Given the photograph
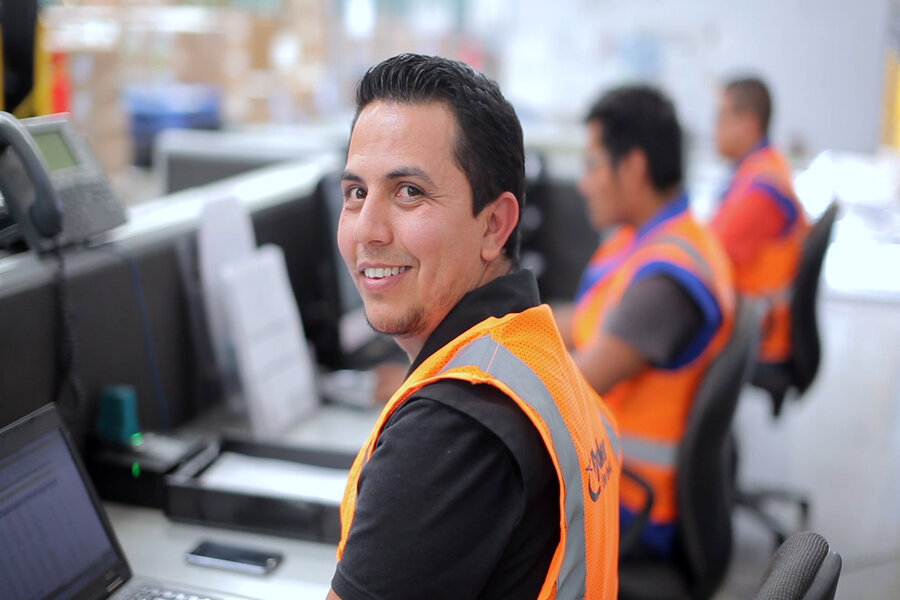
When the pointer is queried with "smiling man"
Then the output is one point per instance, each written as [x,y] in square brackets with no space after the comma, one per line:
[493,470]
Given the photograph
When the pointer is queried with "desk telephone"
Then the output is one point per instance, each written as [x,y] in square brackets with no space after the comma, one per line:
[52,184]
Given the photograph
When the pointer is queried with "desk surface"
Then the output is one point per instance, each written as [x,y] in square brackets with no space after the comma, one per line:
[155,546]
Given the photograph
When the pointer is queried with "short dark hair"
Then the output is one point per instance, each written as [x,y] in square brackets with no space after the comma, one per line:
[641,117]
[750,93]
[488,146]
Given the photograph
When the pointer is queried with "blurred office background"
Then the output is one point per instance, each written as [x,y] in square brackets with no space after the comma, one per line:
[275,79]
[831,65]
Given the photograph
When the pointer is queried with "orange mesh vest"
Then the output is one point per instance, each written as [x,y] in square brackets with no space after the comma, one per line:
[652,408]
[771,273]
[523,355]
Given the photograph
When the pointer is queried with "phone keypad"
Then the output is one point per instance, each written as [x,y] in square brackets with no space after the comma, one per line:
[89,209]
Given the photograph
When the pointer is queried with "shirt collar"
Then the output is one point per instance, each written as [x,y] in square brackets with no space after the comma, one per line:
[670,210]
[510,293]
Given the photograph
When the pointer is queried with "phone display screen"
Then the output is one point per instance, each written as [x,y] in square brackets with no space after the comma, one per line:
[55,150]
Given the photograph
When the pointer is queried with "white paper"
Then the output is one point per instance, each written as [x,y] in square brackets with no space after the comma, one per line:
[277,478]
[224,234]
[274,363]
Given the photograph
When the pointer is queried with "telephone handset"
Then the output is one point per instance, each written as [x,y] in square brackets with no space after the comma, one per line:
[52,184]
[30,197]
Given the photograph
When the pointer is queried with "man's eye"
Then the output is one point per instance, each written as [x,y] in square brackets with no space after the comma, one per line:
[410,191]
[354,193]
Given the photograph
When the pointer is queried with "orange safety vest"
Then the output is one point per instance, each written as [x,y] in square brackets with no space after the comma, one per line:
[523,355]
[652,408]
[770,276]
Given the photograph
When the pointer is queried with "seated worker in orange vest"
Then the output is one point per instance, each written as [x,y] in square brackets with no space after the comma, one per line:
[655,303]
[760,222]
[493,471]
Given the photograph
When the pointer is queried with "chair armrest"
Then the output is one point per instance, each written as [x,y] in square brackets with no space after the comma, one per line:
[629,539]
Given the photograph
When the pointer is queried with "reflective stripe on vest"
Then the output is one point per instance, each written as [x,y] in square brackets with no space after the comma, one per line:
[493,358]
[659,454]
[778,297]
[700,261]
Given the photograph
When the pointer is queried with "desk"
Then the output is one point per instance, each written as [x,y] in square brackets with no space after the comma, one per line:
[155,546]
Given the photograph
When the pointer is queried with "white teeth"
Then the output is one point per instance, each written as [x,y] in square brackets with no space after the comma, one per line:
[382,272]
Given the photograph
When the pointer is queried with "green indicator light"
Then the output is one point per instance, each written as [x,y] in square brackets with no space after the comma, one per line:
[135,469]
[137,439]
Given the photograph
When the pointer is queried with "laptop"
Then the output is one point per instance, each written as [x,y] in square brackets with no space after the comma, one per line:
[56,542]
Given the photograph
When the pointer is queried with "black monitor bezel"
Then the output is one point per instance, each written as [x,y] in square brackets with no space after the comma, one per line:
[31,427]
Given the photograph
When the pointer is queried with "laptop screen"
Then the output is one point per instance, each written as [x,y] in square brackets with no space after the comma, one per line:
[54,542]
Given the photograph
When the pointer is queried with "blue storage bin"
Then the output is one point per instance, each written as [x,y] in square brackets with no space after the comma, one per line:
[155,107]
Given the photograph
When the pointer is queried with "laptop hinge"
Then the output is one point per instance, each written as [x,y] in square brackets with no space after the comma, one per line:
[114,584]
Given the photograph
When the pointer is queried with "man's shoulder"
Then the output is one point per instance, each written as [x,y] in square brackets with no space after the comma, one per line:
[686,240]
[768,166]
[479,401]
[484,403]
[495,414]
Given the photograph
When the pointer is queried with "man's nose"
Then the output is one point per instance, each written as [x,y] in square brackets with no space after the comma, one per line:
[373,223]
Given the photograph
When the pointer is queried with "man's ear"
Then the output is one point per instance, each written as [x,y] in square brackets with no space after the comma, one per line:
[500,217]
[635,164]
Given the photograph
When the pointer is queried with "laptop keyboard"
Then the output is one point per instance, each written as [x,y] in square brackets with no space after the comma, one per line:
[154,593]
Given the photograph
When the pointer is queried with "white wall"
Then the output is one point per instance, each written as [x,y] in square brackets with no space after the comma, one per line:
[824,59]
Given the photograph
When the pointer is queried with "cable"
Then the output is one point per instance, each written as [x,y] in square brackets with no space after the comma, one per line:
[66,348]
[149,346]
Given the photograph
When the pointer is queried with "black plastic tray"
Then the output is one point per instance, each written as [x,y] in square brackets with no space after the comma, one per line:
[187,500]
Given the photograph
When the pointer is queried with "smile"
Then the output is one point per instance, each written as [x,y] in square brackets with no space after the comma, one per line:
[382,272]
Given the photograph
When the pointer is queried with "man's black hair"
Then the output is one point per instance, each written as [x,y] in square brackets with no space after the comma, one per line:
[488,146]
[750,93]
[641,117]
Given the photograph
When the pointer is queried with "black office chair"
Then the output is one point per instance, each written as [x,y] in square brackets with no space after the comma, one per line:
[803,568]
[704,482]
[798,372]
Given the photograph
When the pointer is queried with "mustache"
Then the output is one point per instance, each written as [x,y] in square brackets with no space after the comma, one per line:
[389,258]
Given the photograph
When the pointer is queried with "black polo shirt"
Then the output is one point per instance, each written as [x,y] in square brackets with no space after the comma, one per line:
[460,498]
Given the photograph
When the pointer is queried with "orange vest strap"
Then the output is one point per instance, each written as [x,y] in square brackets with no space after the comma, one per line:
[491,357]
[702,265]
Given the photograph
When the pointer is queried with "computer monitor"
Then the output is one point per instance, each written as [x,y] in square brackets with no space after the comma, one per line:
[330,306]
[359,345]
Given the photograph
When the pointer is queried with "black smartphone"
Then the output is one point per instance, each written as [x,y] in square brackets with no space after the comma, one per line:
[232,557]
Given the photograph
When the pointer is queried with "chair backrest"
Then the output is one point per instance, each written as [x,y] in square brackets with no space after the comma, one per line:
[804,327]
[803,568]
[704,466]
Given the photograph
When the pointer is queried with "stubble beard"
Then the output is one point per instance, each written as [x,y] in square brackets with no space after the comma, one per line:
[407,325]
[418,320]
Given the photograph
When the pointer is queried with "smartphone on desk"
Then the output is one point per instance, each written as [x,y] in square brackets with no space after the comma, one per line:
[233,557]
